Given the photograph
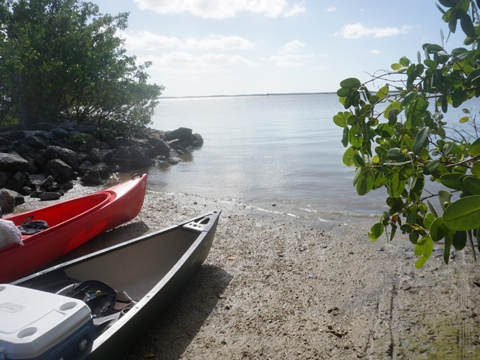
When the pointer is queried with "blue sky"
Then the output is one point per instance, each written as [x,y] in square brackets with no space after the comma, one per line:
[233,47]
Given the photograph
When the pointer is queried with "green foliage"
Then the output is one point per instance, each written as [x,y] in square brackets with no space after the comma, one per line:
[63,59]
[397,138]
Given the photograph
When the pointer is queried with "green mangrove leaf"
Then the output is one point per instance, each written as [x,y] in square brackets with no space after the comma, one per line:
[345,136]
[464,119]
[444,197]
[463,214]
[434,48]
[421,140]
[476,169]
[396,154]
[348,156]
[451,181]
[474,149]
[467,25]
[383,92]
[358,160]
[438,230]
[432,209]
[472,184]
[452,23]
[413,237]
[350,83]
[376,231]
[396,186]
[397,67]
[474,76]
[459,239]
[365,182]
[343,92]
[340,120]
[358,172]
[423,249]
[429,219]
[424,154]
[407,141]
[431,167]
[446,248]
[393,231]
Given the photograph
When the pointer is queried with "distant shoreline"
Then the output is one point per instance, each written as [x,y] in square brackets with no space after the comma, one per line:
[240,95]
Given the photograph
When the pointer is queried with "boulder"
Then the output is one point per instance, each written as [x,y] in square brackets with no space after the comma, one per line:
[9,199]
[183,134]
[197,140]
[161,148]
[59,170]
[12,162]
[68,156]
[4,178]
[138,158]
[50,195]
[17,182]
[91,178]
[36,180]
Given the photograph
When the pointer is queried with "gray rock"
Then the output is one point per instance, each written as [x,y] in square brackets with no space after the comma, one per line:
[49,195]
[184,134]
[68,156]
[161,148]
[60,171]
[17,182]
[12,162]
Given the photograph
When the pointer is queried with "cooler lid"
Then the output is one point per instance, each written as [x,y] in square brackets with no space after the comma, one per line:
[37,318]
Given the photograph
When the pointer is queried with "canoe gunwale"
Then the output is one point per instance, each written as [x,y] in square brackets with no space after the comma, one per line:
[145,310]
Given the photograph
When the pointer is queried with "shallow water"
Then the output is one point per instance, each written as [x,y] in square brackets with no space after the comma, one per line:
[277,152]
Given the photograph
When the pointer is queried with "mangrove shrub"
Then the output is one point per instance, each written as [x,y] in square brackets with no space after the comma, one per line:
[63,59]
[398,138]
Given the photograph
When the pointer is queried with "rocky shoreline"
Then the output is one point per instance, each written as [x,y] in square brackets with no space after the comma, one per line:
[43,163]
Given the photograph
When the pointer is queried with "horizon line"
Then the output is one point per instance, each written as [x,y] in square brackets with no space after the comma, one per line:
[238,95]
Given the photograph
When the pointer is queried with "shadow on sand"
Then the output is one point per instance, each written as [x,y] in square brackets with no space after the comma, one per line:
[175,329]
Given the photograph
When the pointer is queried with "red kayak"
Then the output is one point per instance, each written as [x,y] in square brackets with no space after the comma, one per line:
[70,224]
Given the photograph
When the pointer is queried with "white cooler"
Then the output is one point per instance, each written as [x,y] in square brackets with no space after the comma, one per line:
[39,325]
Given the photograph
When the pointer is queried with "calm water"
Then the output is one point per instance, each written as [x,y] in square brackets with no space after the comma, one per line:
[265,150]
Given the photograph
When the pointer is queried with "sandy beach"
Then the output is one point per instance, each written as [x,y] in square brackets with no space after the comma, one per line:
[276,288]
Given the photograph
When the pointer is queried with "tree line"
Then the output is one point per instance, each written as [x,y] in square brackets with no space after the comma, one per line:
[63,59]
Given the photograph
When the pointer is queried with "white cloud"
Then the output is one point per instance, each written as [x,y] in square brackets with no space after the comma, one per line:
[357,31]
[182,62]
[376,52]
[290,60]
[288,56]
[331,9]
[292,47]
[148,41]
[220,9]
